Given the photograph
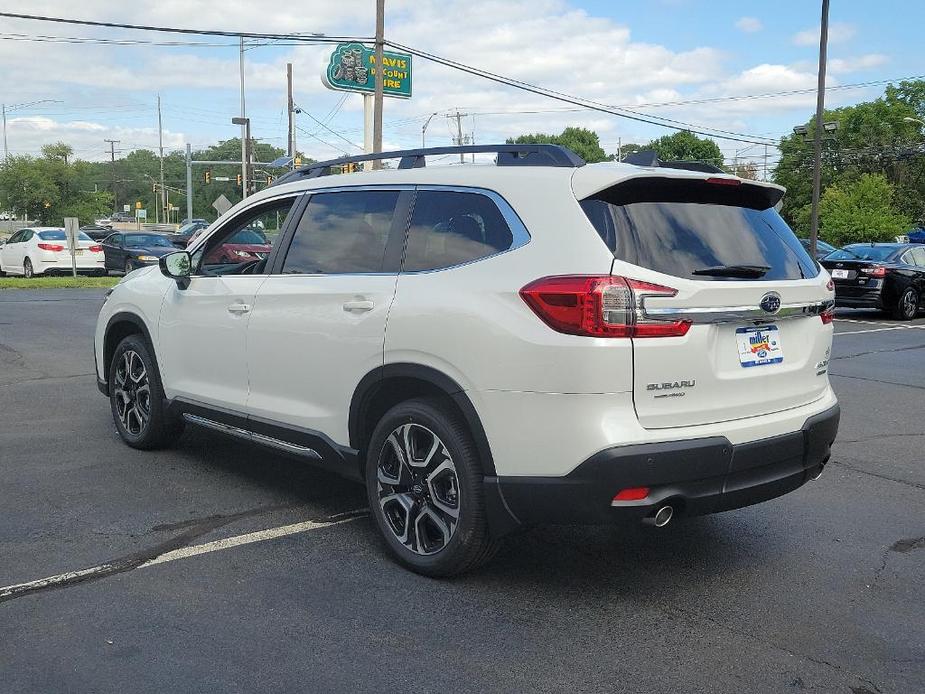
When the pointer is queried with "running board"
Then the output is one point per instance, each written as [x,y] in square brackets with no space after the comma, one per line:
[252,436]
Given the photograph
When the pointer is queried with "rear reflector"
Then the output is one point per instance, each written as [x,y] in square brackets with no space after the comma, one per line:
[599,306]
[50,247]
[632,494]
[830,285]
[827,316]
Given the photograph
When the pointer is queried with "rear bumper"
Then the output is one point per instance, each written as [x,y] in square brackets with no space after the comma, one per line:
[696,477]
[859,297]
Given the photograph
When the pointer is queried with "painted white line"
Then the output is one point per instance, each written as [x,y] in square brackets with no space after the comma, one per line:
[6,591]
[238,540]
[872,330]
[857,320]
[174,555]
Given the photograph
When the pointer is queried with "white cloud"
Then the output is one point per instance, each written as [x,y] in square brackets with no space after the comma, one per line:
[839,32]
[749,24]
[838,66]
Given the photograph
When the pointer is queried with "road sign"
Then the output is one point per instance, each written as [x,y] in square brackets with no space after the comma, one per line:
[352,68]
[71,232]
[221,205]
[126,208]
[221,178]
[141,214]
[138,205]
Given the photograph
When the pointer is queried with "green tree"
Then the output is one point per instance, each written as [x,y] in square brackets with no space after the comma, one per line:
[685,146]
[861,211]
[583,142]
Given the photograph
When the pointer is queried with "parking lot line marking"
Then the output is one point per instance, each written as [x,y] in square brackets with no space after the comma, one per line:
[873,330]
[238,540]
[110,568]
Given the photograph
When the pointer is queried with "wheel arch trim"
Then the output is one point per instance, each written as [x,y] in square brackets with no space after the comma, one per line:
[372,381]
[108,349]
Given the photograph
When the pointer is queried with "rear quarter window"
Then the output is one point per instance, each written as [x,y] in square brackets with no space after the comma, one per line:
[452,228]
[679,234]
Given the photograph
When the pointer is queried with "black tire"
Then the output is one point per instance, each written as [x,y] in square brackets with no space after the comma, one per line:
[128,266]
[159,429]
[907,305]
[27,270]
[470,544]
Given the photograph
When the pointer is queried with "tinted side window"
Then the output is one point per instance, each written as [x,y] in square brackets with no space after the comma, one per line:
[247,238]
[918,256]
[16,238]
[342,232]
[450,228]
[27,235]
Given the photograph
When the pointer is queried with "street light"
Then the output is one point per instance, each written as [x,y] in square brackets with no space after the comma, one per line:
[16,107]
[424,127]
[245,151]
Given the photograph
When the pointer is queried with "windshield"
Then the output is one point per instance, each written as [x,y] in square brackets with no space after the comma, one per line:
[249,237]
[702,240]
[145,240]
[190,228]
[59,235]
[863,252]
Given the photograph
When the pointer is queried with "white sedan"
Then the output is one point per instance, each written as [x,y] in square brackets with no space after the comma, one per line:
[43,251]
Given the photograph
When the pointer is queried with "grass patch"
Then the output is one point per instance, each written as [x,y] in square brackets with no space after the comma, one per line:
[58,282]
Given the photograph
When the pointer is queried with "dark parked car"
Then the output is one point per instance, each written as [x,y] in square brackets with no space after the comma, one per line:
[97,232]
[183,235]
[129,250]
[887,276]
[822,248]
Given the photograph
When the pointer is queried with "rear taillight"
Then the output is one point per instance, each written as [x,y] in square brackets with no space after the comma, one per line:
[876,271]
[827,316]
[50,247]
[96,249]
[599,306]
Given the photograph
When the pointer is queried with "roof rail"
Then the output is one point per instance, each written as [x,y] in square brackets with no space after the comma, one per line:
[650,158]
[508,155]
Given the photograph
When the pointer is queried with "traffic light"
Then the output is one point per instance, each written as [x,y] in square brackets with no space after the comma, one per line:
[238,179]
[154,187]
[207,176]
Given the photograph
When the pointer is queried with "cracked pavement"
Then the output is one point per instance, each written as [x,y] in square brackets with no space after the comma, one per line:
[819,590]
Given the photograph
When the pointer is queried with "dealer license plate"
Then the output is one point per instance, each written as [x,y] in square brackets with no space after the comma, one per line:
[759,346]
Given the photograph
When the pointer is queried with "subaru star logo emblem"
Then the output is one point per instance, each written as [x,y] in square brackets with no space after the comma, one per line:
[770,302]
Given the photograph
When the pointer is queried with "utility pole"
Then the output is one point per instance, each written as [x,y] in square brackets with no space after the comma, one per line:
[619,149]
[817,143]
[290,139]
[459,139]
[6,149]
[112,168]
[765,162]
[189,183]
[160,140]
[380,76]
[243,129]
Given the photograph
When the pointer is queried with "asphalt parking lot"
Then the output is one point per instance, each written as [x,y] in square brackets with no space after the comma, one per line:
[217,566]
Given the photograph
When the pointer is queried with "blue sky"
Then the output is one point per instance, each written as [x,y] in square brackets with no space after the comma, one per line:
[630,53]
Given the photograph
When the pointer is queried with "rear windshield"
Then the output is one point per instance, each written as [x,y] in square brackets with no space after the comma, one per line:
[143,240]
[682,238]
[59,235]
[863,253]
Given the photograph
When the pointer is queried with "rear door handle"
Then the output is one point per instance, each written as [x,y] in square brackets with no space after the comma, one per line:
[239,308]
[359,306]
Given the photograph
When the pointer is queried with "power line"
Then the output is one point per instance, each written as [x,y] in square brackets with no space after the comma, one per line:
[580,101]
[333,132]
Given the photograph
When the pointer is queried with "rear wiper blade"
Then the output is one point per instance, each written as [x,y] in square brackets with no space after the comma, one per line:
[733,271]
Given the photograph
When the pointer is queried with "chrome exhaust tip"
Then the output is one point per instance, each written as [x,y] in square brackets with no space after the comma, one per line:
[661,518]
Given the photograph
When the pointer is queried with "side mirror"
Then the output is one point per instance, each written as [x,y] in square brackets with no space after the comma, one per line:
[178,267]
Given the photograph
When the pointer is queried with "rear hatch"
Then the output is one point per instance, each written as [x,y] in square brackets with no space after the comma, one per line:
[726,265]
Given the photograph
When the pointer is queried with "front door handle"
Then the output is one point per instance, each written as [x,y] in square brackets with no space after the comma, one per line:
[239,308]
[358,306]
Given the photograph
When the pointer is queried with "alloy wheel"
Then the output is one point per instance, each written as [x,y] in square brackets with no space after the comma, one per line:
[418,489]
[132,393]
[908,304]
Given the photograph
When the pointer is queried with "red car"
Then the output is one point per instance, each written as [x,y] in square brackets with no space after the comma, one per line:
[247,244]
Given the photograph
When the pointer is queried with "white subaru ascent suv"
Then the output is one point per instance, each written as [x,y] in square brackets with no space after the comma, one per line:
[489,347]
